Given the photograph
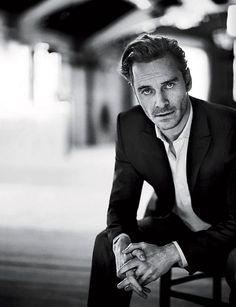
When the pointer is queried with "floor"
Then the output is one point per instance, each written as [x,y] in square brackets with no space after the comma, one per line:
[51,210]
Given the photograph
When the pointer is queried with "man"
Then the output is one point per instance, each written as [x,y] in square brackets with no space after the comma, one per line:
[185,149]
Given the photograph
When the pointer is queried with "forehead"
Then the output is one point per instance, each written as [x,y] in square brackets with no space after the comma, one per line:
[163,69]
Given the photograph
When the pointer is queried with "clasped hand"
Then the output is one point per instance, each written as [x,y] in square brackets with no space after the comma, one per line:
[147,262]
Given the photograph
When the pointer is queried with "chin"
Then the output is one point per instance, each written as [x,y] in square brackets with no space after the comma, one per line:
[165,125]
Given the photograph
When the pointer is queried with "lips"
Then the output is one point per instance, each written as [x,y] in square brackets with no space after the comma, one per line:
[163,114]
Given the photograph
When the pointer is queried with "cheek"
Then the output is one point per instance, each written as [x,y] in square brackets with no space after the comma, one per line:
[178,99]
[147,109]
[146,105]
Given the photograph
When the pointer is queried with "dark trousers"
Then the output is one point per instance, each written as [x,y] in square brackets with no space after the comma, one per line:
[231,276]
[103,281]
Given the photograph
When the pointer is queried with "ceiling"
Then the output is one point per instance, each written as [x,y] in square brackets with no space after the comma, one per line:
[78,20]
[17,7]
[81,21]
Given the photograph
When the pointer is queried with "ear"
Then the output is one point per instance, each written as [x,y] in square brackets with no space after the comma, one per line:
[188,80]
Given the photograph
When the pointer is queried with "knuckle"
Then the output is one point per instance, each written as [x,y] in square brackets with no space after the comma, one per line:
[143,244]
[137,273]
[135,252]
[139,252]
[129,274]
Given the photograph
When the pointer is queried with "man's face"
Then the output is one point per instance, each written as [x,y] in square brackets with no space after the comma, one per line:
[161,91]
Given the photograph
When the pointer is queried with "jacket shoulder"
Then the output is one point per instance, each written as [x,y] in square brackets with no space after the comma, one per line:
[133,112]
[134,117]
[218,115]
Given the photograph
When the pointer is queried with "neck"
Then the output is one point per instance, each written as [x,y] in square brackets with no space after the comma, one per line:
[172,134]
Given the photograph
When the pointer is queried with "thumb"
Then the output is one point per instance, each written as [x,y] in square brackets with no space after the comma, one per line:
[132,246]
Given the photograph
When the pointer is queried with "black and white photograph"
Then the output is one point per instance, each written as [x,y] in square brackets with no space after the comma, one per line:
[117,153]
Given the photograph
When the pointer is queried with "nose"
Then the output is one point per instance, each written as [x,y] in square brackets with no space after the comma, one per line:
[160,99]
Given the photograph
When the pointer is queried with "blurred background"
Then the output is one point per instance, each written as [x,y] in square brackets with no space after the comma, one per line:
[60,93]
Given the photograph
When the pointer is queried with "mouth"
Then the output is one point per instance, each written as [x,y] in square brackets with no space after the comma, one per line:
[163,114]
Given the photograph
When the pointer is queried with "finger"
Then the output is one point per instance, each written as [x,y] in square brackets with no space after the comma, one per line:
[130,265]
[139,254]
[129,284]
[140,271]
[125,258]
[130,273]
[145,279]
[146,282]
[128,288]
[124,268]
[124,284]
[136,287]
[132,246]
[138,274]
[134,283]
[146,289]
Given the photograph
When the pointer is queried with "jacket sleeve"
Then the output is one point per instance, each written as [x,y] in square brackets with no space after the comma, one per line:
[125,193]
[210,248]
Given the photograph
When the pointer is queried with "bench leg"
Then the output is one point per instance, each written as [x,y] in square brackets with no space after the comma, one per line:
[216,290]
[165,283]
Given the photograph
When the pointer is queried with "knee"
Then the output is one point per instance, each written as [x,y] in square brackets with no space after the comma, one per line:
[231,269]
[102,246]
[102,252]
[101,240]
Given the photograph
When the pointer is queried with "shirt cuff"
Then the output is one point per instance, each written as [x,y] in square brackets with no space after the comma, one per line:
[183,261]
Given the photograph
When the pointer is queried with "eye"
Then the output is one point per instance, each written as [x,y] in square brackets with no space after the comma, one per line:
[147,91]
[169,85]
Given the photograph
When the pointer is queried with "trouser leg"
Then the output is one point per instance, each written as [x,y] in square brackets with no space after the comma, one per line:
[231,276]
[103,281]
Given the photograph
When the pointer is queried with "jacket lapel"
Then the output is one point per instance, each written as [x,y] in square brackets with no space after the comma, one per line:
[157,168]
[199,142]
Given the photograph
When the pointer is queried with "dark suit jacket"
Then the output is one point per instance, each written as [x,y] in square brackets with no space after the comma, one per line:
[211,175]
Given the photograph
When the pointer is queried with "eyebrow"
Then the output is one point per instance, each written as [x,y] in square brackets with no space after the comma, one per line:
[171,80]
[143,87]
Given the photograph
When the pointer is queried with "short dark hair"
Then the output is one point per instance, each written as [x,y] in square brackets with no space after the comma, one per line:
[149,47]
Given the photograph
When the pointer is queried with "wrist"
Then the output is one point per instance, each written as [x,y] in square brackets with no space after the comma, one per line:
[121,243]
[173,253]
[119,236]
